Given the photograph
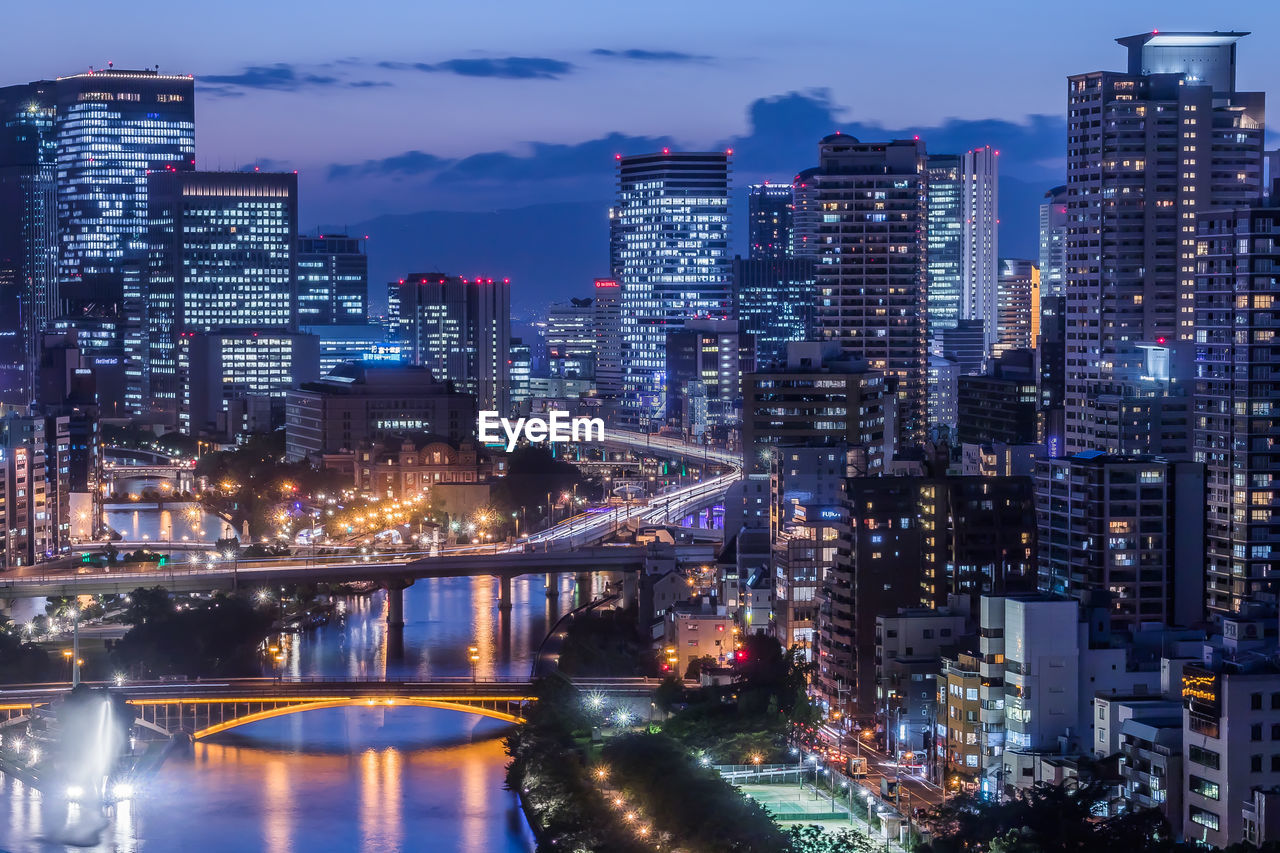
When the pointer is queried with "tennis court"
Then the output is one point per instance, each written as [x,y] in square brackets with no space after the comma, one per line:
[789,803]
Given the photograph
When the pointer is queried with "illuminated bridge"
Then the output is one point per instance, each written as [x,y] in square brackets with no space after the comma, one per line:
[201,709]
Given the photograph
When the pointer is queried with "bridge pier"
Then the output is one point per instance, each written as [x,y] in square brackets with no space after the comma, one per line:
[504,592]
[395,602]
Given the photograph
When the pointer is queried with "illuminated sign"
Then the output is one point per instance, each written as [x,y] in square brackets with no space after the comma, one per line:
[1200,690]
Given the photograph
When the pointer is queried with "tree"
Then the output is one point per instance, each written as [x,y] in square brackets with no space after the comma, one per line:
[148,604]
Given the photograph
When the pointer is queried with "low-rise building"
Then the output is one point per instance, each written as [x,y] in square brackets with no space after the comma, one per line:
[698,629]
[410,465]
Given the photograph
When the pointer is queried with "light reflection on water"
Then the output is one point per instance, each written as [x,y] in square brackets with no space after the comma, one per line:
[368,779]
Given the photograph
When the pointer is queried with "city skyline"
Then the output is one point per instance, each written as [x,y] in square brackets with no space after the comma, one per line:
[508,127]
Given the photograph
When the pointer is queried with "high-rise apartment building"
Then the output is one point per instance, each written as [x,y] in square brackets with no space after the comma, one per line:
[1123,531]
[672,243]
[1018,306]
[28,233]
[1053,241]
[805,216]
[222,257]
[460,328]
[769,221]
[114,128]
[333,280]
[870,267]
[980,267]
[773,302]
[1235,402]
[1149,150]
[946,237]
[705,363]
[571,339]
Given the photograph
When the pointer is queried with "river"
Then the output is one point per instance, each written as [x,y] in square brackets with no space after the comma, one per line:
[351,779]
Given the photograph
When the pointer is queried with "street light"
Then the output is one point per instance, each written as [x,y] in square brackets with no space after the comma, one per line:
[474,655]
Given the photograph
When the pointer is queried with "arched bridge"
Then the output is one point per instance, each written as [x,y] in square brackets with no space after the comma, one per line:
[201,709]
[204,708]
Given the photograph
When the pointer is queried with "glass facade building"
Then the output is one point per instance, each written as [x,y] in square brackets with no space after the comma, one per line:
[221,257]
[114,127]
[28,233]
[672,245]
[773,301]
[333,280]
[945,242]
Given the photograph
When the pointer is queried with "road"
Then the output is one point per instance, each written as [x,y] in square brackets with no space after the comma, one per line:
[917,791]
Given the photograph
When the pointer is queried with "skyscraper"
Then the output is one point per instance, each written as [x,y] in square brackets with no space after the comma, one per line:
[945,242]
[1150,148]
[460,328]
[571,339]
[769,221]
[805,216]
[333,280]
[871,263]
[980,197]
[1235,403]
[608,324]
[773,301]
[222,257]
[28,233]
[673,247]
[1053,242]
[114,127]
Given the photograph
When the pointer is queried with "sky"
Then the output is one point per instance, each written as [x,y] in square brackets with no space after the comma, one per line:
[479,137]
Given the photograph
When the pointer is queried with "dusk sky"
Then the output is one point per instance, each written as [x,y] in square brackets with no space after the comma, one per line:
[392,109]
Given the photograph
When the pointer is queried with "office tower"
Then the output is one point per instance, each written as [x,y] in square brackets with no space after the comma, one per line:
[28,233]
[114,128]
[333,280]
[773,302]
[704,364]
[818,398]
[964,345]
[521,368]
[769,221]
[1235,402]
[615,244]
[1053,242]
[1150,149]
[946,238]
[980,200]
[1018,303]
[1124,532]
[226,366]
[571,339]
[870,269]
[944,387]
[460,328]
[673,239]
[1000,406]
[608,325]
[222,257]
[805,216]
[366,342]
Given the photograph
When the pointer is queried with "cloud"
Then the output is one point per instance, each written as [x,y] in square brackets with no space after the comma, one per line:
[281,76]
[407,164]
[368,84]
[266,164]
[507,68]
[641,55]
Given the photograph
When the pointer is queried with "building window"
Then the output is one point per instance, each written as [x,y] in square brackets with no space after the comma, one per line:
[1204,817]
[1204,757]
[1255,702]
[1255,731]
[1204,787]
[1255,763]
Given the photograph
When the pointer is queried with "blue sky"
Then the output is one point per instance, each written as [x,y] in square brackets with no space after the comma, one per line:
[395,107]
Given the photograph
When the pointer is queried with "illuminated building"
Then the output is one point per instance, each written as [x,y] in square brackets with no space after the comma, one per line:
[28,233]
[979,265]
[363,342]
[773,302]
[945,241]
[521,368]
[222,258]
[673,251]
[1130,529]
[1235,402]
[236,365]
[114,127]
[403,466]
[572,339]
[26,517]
[1018,322]
[460,329]
[769,221]
[704,365]
[1151,148]
[1053,242]
[333,280]
[608,324]
[1000,405]
[870,267]
[359,403]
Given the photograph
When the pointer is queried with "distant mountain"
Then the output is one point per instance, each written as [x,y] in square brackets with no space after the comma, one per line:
[549,251]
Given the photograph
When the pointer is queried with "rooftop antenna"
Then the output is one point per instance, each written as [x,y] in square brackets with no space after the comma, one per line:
[110,64]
